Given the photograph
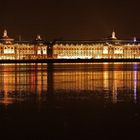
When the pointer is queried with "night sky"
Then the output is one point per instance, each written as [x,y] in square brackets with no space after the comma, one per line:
[70,19]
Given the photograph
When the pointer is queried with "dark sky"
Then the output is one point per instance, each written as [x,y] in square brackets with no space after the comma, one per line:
[70,19]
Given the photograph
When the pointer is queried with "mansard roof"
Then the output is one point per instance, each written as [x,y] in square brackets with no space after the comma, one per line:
[112,40]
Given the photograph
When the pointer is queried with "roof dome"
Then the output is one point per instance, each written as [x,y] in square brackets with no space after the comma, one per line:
[5,39]
[113,35]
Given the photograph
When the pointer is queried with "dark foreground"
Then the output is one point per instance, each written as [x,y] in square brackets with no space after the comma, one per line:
[73,119]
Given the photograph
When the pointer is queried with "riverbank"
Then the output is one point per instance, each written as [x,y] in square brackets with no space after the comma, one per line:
[69,60]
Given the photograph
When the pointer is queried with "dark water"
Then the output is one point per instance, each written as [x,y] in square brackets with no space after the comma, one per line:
[70,101]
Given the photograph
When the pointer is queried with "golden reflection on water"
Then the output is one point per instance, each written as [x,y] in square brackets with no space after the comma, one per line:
[24,81]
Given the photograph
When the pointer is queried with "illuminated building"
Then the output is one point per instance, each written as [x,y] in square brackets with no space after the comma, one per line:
[110,48]
[10,49]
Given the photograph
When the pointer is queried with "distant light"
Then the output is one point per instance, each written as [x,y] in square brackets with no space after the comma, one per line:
[135,39]
[38,37]
[5,33]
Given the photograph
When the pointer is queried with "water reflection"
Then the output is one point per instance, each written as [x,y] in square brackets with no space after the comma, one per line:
[111,82]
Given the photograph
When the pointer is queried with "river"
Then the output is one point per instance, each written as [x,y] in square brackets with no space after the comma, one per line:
[70,101]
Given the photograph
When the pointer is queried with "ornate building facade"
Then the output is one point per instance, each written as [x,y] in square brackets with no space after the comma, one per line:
[18,50]
[110,48]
